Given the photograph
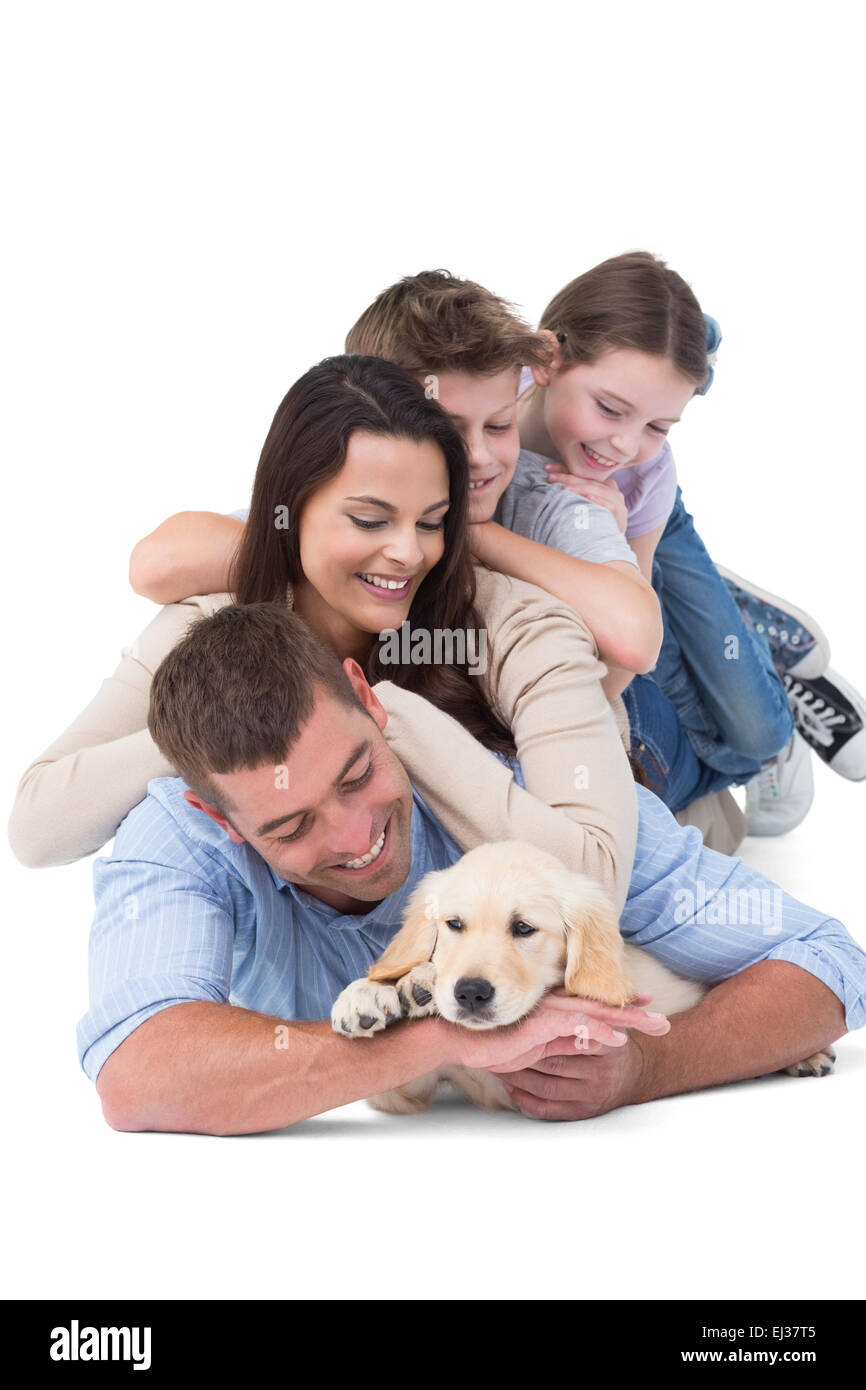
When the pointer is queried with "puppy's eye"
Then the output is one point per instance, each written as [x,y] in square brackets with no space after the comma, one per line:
[454,923]
[522,929]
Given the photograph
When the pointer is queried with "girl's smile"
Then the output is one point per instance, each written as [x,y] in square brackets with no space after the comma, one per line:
[612,413]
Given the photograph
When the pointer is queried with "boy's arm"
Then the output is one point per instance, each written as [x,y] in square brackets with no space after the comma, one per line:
[614,599]
[190,553]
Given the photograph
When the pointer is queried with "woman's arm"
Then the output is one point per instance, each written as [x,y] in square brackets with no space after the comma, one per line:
[190,553]
[73,797]
[615,601]
[544,680]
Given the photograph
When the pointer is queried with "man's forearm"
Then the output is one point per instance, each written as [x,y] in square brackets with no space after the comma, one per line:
[206,1068]
[767,1017]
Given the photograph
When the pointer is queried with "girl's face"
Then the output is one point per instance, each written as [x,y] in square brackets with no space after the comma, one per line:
[370,535]
[614,412]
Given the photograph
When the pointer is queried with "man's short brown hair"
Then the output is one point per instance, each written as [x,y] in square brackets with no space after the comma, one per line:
[236,690]
[435,322]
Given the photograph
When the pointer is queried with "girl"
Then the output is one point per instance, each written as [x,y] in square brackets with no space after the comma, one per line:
[358,520]
[740,669]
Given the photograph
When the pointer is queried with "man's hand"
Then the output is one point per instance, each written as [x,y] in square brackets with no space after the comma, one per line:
[564,1087]
[561,1027]
[605,492]
[600,1071]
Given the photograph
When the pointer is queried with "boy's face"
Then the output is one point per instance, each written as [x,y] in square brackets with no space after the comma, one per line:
[484,409]
[614,412]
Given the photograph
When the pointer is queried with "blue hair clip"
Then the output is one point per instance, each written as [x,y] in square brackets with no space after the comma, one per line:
[714,337]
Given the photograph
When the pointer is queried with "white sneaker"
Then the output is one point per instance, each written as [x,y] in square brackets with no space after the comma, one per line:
[781,794]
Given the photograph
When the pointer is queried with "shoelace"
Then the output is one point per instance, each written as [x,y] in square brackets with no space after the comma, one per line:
[817,718]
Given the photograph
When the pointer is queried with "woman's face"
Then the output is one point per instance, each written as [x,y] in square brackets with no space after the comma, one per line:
[370,535]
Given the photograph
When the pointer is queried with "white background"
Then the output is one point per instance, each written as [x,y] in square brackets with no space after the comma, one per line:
[199,200]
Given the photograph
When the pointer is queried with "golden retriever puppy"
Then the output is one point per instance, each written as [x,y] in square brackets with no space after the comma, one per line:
[483,941]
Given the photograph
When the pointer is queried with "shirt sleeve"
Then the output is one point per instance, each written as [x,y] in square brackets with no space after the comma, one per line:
[651,502]
[708,916]
[72,798]
[161,936]
[580,528]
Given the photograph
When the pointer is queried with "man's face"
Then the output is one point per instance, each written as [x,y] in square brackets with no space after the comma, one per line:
[334,817]
[484,409]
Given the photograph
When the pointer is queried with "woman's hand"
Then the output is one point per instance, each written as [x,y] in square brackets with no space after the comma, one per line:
[605,492]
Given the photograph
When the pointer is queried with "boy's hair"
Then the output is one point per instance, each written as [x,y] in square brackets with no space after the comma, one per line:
[435,322]
[236,690]
[630,301]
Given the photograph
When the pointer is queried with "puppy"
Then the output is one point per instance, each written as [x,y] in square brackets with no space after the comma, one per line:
[483,941]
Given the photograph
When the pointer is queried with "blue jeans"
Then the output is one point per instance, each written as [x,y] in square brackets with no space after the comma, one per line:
[713,709]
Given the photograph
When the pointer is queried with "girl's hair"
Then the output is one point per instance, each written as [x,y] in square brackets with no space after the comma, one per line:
[306,447]
[630,301]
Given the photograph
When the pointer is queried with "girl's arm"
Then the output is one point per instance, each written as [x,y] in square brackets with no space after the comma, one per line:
[615,601]
[644,548]
[72,798]
[190,553]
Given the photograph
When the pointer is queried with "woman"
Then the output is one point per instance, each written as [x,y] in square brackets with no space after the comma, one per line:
[358,518]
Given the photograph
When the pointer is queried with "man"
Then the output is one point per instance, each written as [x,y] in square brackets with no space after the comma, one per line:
[253,890]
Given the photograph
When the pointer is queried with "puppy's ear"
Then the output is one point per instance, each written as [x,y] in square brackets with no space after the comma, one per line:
[594,967]
[416,939]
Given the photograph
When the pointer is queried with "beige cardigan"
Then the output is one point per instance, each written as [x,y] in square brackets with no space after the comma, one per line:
[543,678]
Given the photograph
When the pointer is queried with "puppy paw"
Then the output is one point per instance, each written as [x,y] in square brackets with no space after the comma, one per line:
[819,1064]
[415,991]
[365,1008]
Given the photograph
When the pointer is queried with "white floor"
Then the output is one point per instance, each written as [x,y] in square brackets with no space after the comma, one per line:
[750,1190]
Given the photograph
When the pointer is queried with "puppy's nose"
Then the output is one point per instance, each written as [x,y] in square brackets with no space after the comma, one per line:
[473,994]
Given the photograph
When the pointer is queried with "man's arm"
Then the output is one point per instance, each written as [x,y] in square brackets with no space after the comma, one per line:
[766,1018]
[769,1016]
[216,1069]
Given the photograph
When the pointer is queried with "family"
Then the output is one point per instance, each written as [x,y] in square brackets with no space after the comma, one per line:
[279,773]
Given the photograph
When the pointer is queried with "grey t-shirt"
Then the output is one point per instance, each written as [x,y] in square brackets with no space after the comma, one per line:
[551,514]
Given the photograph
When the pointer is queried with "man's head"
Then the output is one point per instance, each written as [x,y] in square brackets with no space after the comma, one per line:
[466,346]
[283,748]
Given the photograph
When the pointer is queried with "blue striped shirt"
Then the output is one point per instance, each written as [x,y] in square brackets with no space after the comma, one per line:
[184,914]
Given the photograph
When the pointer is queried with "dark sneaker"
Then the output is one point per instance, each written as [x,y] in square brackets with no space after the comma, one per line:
[796,642]
[831,716]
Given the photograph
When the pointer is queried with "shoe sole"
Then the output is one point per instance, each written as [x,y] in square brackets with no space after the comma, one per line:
[815,662]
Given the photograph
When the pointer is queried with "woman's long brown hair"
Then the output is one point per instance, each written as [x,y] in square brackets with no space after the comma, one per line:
[306,446]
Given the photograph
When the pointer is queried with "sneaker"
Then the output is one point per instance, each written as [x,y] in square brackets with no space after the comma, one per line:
[781,794]
[796,642]
[831,716]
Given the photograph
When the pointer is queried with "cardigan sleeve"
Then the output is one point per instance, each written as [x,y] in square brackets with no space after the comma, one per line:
[72,798]
[543,677]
